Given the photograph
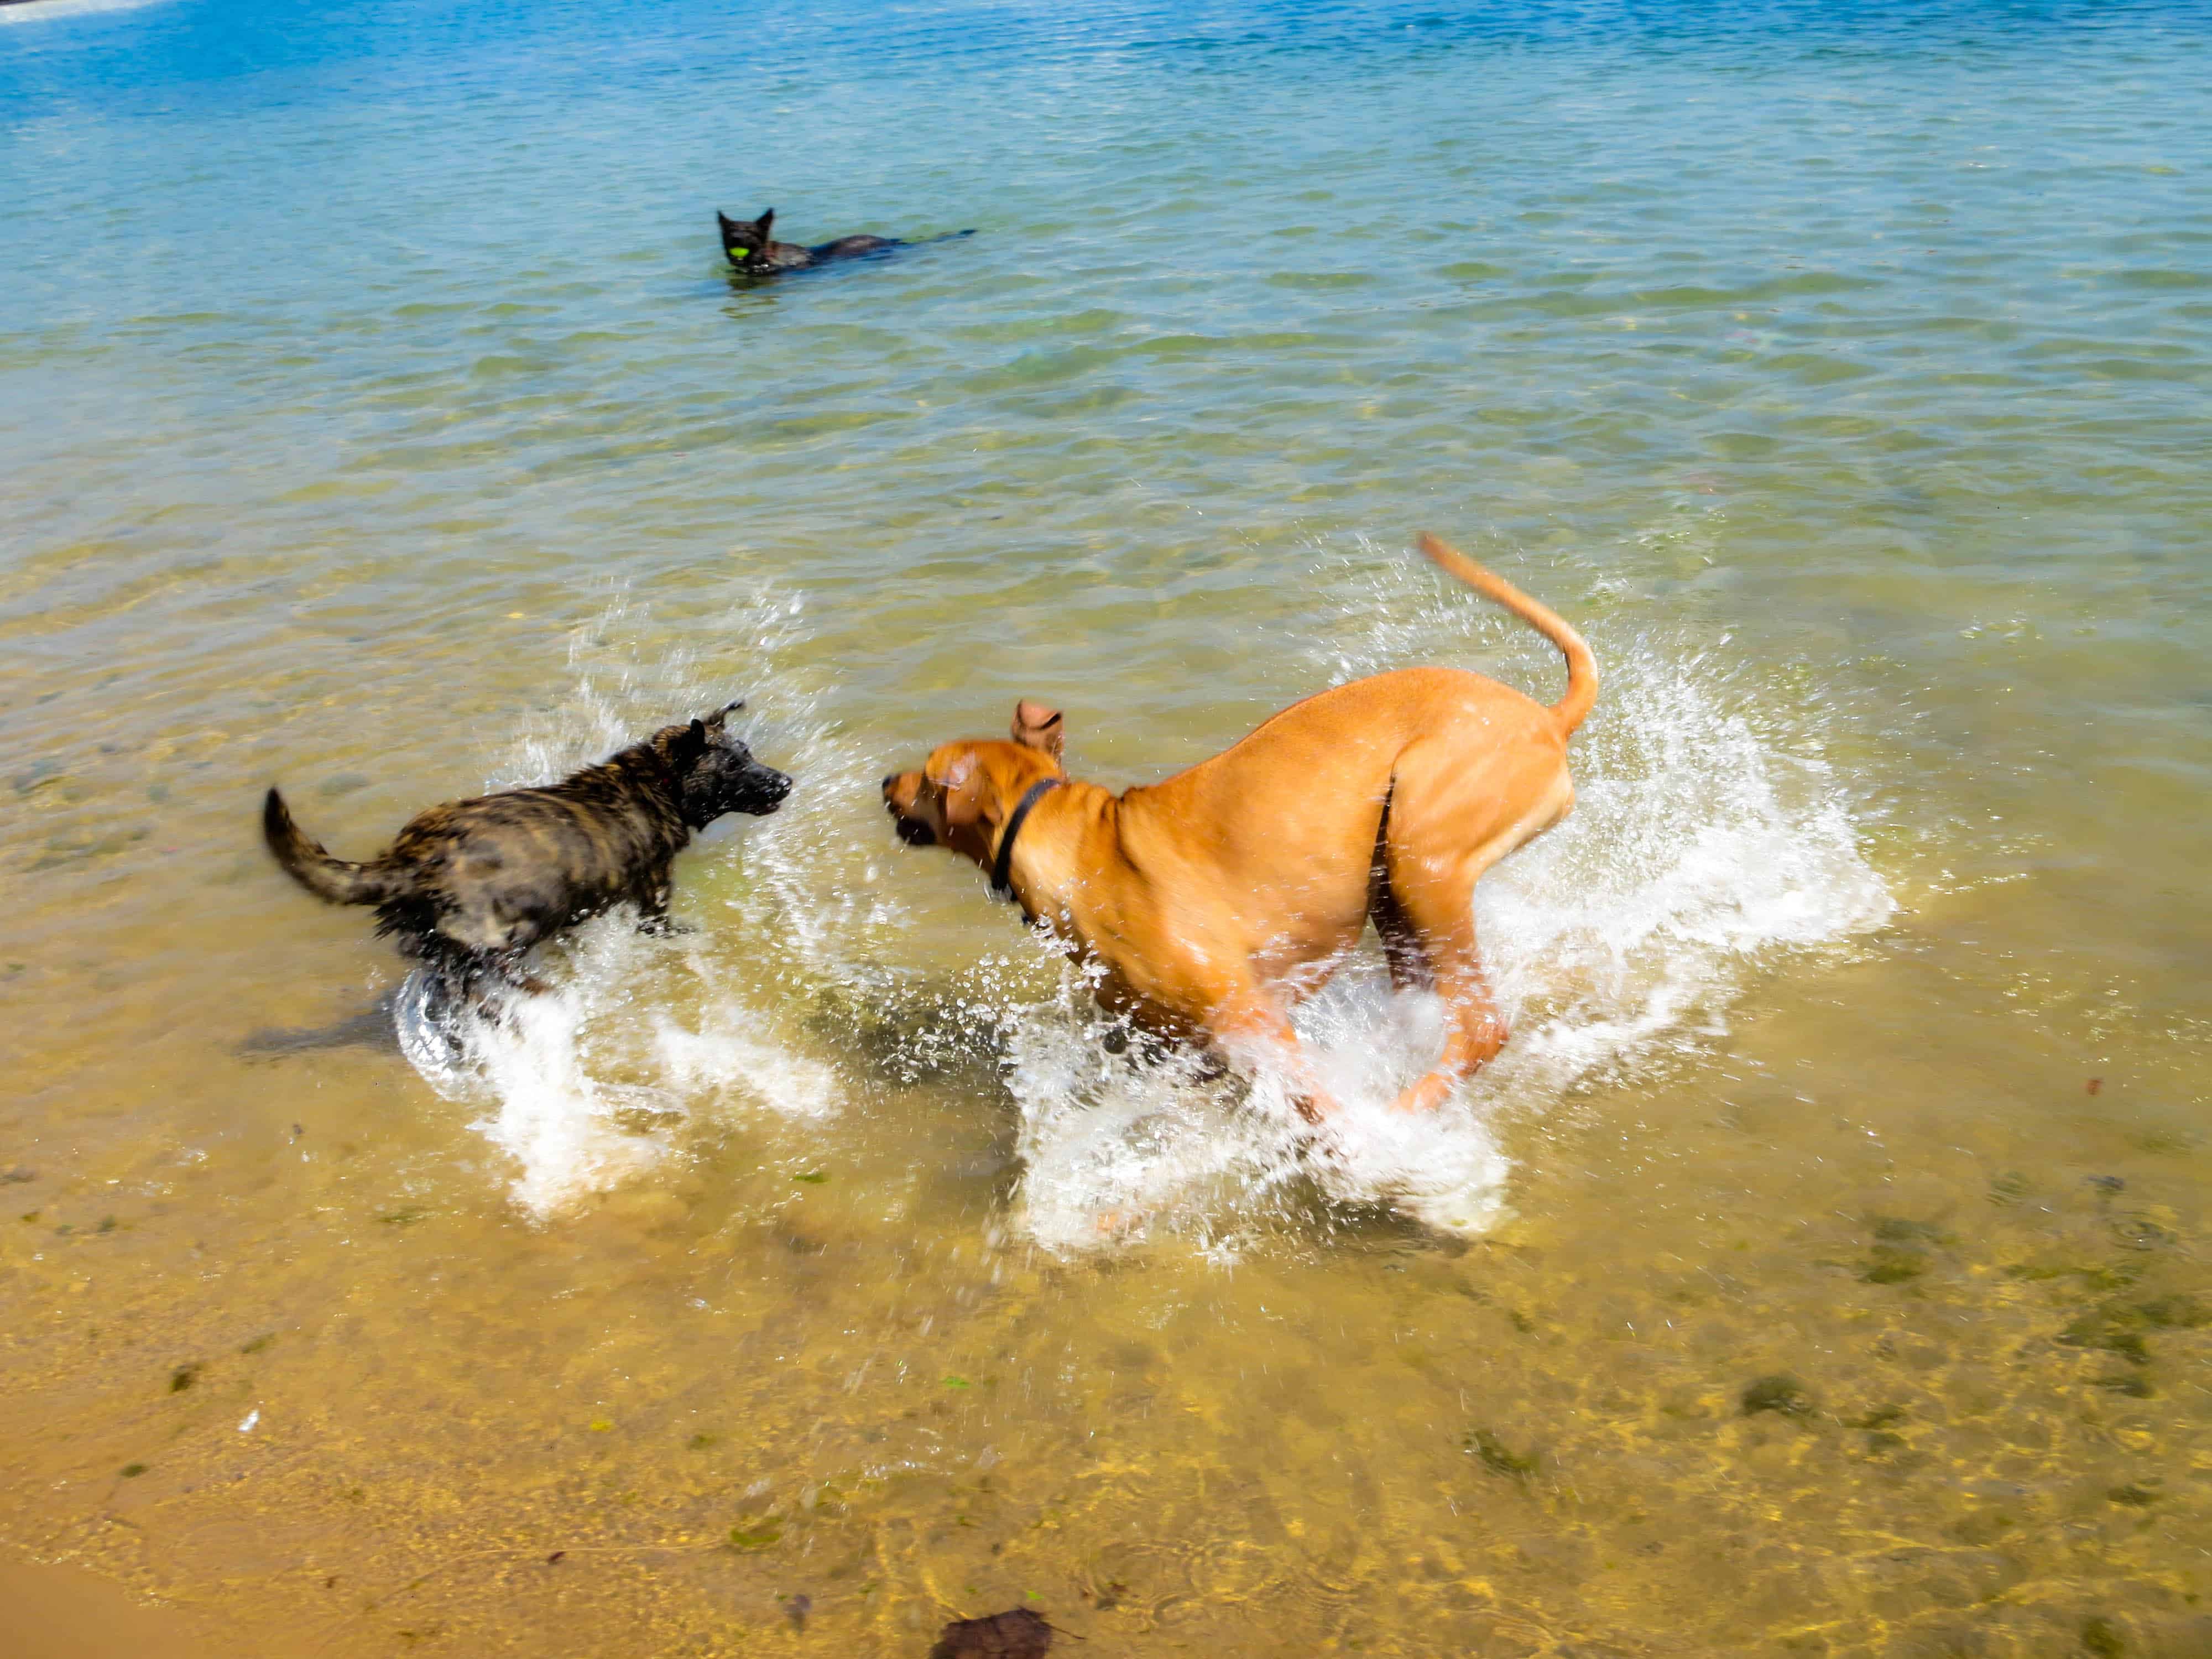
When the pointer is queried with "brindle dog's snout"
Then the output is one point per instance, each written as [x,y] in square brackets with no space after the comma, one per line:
[767,787]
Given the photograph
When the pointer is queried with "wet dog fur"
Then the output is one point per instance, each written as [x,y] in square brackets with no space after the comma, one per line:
[469,886]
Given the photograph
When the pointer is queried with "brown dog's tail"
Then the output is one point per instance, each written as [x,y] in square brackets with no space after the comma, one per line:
[325,877]
[1581,668]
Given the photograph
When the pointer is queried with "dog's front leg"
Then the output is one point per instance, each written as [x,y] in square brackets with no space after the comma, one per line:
[1250,1023]
[652,913]
[507,967]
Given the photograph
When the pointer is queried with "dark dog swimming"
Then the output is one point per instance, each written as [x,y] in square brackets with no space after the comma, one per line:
[753,251]
[469,887]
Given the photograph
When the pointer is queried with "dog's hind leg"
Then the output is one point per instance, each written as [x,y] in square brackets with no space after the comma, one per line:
[1409,964]
[1474,1029]
[1442,833]
[1427,924]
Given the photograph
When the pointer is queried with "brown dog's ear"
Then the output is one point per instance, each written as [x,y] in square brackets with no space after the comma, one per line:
[1036,726]
[962,785]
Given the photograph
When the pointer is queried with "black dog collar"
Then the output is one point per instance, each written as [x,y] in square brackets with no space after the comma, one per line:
[1002,866]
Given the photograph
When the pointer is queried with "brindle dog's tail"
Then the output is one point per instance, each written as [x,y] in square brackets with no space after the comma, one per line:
[1581,667]
[334,879]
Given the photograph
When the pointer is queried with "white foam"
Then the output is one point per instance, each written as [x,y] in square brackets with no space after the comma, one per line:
[37,11]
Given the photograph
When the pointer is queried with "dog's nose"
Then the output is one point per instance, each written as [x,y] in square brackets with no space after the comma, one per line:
[889,780]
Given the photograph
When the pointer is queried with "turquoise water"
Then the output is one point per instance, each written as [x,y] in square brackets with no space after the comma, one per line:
[381,420]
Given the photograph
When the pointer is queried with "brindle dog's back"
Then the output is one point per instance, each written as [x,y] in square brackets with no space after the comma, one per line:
[475,884]
[502,872]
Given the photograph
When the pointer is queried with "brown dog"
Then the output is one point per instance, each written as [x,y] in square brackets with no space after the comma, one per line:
[1215,898]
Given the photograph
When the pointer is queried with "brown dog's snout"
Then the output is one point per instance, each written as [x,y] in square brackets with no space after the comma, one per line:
[911,830]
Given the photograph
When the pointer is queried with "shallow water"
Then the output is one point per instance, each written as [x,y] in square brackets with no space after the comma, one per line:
[379,422]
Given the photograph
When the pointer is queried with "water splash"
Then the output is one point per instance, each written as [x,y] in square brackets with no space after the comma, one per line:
[583,1088]
[1711,841]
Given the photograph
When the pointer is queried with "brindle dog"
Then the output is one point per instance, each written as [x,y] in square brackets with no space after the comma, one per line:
[469,886]
[753,251]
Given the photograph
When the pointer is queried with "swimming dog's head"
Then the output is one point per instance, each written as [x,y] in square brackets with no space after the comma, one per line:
[715,773]
[966,788]
[747,241]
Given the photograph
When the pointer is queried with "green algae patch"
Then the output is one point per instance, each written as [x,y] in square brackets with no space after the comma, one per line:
[1778,1392]
[2175,1313]
[2108,1329]
[750,1541]
[1888,1265]
[2009,1188]
[2135,1387]
[1881,1417]
[2095,1276]
[1896,1230]
[133,1471]
[2118,1327]
[2102,1637]
[184,1377]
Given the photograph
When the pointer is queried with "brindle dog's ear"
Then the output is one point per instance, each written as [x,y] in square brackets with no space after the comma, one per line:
[761,224]
[690,743]
[1036,726]
[962,785]
[715,721]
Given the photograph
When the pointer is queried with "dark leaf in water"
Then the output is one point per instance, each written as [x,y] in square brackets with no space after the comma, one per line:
[1015,1634]
[1497,1458]
[556,1556]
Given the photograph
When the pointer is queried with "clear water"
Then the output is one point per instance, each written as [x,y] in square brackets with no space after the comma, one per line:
[379,420]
